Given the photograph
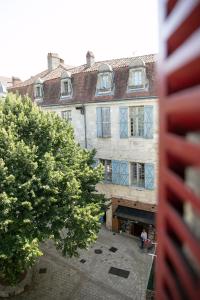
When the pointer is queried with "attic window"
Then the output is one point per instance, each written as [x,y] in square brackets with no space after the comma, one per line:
[104,80]
[66,85]
[136,79]
[38,90]
[137,76]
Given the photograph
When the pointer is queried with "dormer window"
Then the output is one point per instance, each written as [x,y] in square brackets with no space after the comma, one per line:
[137,76]
[66,85]
[66,88]
[104,80]
[38,90]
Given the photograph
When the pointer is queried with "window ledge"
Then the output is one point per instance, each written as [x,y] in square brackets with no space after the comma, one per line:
[140,138]
[65,97]
[102,93]
[137,188]
[137,137]
[136,89]
[38,99]
[107,182]
[103,137]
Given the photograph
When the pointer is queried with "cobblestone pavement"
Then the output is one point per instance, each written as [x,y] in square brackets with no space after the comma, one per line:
[69,279]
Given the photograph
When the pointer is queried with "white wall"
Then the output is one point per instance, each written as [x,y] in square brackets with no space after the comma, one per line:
[130,149]
[77,120]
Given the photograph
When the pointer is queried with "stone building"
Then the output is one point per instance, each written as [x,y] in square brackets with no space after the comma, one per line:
[113,107]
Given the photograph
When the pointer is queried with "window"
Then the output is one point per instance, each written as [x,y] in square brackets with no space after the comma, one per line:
[137,78]
[38,92]
[103,122]
[137,75]
[66,115]
[141,174]
[137,121]
[104,80]
[120,172]
[66,85]
[137,174]
[38,89]
[66,88]
[108,169]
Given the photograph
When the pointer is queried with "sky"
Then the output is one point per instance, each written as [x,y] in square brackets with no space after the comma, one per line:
[29,29]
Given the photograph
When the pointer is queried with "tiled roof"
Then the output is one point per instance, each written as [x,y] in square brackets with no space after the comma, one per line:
[44,75]
[114,63]
[32,79]
[84,81]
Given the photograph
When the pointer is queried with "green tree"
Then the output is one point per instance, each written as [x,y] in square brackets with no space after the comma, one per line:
[47,186]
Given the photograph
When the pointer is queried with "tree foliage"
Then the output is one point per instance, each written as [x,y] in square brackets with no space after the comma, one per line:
[47,186]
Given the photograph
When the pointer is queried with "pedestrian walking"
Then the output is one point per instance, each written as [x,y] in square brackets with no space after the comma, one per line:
[143,238]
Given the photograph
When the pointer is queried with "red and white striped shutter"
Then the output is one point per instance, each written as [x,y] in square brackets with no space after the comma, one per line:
[178,218]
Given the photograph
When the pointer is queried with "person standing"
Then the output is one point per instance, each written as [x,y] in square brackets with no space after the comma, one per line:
[143,238]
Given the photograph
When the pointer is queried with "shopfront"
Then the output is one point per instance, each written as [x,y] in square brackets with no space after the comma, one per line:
[132,221]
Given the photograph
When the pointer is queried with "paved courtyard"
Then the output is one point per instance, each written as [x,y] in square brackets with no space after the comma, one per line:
[59,278]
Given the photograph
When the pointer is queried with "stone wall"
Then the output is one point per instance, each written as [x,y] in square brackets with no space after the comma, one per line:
[129,149]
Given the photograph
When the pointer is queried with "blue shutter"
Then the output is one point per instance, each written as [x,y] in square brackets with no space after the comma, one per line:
[124,173]
[106,124]
[99,121]
[148,121]
[120,172]
[115,171]
[123,120]
[149,176]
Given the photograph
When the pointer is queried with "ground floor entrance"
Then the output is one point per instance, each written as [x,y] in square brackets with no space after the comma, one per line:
[133,227]
[132,221]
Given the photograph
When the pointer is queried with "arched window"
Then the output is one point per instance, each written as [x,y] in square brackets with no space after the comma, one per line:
[66,85]
[104,80]
[137,76]
[38,90]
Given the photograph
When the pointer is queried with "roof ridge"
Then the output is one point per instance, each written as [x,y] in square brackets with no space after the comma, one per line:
[55,73]
[153,54]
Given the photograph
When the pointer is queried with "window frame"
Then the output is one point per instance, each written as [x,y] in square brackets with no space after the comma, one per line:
[131,85]
[67,112]
[138,119]
[107,173]
[102,122]
[64,95]
[38,96]
[99,89]
[137,181]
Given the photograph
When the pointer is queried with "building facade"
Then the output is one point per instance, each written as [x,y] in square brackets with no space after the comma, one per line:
[113,107]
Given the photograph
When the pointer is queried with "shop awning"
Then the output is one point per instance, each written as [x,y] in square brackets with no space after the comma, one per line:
[133,214]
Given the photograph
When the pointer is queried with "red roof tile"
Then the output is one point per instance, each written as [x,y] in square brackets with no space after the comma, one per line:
[114,63]
[84,81]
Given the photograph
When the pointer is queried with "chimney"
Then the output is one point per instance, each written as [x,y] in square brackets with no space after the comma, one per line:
[15,80]
[53,61]
[90,59]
